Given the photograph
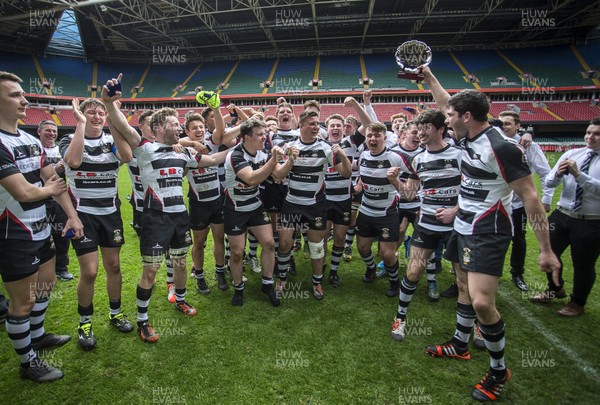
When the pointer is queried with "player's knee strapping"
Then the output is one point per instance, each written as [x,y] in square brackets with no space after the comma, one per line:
[155,260]
[178,253]
[316,249]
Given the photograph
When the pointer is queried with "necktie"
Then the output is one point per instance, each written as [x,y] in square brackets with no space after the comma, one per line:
[585,166]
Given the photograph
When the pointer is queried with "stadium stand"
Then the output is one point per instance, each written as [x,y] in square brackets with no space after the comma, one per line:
[70,77]
[590,55]
[294,74]
[529,112]
[209,76]
[568,111]
[132,73]
[382,68]
[554,66]
[66,118]
[340,72]
[37,115]
[574,110]
[23,66]
[448,72]
[248,75]
[162,80]
[488,66]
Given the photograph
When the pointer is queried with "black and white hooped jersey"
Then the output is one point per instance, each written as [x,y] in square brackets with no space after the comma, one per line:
[22,153]
[52,155]
[407,156]
[162,170]
[306,185]
[489,162]
[213,148]
[281,138]
[337,187]
[205,183]
[93,185]
[439,176]
[239,196]
[379,196]
[137,192]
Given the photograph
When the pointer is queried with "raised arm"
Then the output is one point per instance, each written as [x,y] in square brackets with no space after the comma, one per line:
[440,95]
[368,106]
[73,155]
[121,143]
[343,167]
[364,118]
[211,160]
[117,118]
[217,134]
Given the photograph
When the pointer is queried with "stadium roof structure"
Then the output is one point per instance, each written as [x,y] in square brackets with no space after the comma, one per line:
[212,30]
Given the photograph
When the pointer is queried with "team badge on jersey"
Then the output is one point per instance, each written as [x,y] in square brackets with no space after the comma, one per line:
[34,150]
[105,148]
[466,255]
[318,222]
[118,236]
[385,233]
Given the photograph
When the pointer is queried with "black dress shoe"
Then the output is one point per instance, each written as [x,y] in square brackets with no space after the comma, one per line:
[519,282]
[451,291]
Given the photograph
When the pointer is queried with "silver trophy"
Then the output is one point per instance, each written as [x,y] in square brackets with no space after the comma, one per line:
[409,56]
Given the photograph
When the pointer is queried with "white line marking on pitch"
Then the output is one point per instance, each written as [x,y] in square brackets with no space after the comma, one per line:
[583,365]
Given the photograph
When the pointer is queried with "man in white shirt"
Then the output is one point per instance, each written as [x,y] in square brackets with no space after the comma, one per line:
[576,221]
